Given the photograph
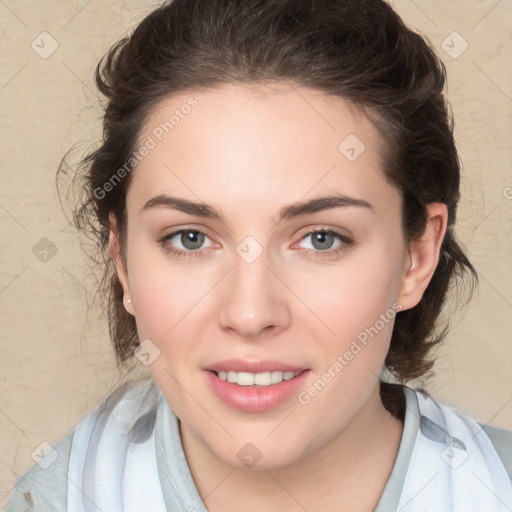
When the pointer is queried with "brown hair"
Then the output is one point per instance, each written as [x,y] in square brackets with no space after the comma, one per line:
[359,50]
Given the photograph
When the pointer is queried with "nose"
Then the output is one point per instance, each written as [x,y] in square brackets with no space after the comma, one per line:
[253,301]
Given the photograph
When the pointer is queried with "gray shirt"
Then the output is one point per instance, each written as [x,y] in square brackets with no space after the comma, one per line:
[45,490]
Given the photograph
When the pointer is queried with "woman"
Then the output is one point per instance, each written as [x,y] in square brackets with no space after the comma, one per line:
[276,191]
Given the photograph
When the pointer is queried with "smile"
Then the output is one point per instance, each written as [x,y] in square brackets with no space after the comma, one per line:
[256,379]
[255,392]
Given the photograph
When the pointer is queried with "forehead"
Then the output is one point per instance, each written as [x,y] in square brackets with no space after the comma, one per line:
[245,145]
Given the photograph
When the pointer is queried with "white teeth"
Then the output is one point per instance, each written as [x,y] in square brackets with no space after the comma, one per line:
[245,379]
[263,379]
[277,377]
[259,379]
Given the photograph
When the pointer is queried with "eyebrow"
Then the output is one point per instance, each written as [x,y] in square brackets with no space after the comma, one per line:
[285,213]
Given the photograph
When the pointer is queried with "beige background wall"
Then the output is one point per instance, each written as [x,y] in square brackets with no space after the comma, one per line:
[56,359]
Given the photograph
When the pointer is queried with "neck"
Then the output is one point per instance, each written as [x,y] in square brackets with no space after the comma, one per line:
[347,473]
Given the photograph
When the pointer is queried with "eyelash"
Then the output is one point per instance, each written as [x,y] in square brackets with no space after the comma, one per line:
[178,253]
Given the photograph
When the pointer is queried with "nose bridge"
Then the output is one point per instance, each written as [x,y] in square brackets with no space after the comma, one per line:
[252,300]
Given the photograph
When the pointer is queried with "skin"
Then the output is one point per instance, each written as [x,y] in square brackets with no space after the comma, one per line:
[248,152]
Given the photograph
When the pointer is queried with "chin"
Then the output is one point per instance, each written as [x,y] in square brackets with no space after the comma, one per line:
[260,453]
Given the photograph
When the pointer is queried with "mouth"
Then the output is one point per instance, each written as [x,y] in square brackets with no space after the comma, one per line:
[256,380]
[255,386]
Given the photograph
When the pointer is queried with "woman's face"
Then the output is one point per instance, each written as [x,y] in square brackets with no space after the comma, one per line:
[247,288]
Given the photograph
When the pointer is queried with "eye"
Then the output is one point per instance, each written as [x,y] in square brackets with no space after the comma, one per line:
[184,242]
[322,241]
[188,243]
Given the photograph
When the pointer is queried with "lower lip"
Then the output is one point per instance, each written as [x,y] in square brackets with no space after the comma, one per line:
[255,399]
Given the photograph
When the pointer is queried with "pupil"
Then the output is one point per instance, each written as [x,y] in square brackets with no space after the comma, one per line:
[192,239]
[325,240]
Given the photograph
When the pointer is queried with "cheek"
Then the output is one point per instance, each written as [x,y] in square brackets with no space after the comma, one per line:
[360,308]
[357,301]
[171,310]
[166,295]
[352,295]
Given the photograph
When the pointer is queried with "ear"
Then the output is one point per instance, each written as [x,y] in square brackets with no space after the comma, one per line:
[423,256]
[115,252]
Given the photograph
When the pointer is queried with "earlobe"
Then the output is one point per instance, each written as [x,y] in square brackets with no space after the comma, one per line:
[424,255]
[115,253]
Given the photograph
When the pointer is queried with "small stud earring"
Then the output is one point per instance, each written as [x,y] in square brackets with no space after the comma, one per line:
[128,300]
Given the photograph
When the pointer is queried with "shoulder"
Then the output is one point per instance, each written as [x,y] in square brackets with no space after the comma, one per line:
[502,442]
[494,442]
[43,488]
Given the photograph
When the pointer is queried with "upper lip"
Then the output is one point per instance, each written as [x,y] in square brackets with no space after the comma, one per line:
[264,365]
